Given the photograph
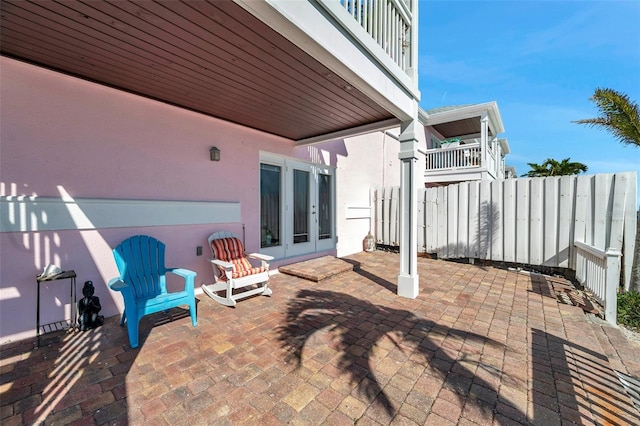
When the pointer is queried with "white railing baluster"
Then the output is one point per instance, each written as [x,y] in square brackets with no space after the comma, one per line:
[460,157]
[389,23]
[599,272]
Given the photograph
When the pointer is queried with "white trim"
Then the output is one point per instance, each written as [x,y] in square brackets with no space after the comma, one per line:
[286,248]
[504,144]
[305,24]
[358,212]
[352,132]
[371,46]
[25,214]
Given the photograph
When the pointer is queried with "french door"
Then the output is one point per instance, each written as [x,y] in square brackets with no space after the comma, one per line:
[297,213]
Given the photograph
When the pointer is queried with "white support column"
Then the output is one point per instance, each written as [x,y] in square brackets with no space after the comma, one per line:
[612,281]
[484,140]
[408,278]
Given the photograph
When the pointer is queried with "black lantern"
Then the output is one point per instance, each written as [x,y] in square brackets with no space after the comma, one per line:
[214,153]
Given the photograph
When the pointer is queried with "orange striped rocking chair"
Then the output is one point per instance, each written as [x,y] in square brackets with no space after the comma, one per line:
[233,270]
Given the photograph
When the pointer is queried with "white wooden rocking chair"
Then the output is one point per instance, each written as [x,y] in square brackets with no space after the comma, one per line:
[233,270]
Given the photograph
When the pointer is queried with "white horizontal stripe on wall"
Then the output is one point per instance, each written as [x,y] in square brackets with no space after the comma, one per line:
[23,214]
[357,212]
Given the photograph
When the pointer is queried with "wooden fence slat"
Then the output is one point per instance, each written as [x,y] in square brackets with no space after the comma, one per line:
[550,212]
[566,213]
[617,213]
[442,222]
[603,203]
[463,222]
[630,228]
[386,212]
[590,213]
[522,220]
[497,209]
[509,215]
[394,221]
[474,217]
[431,220]
[486,220]
[452,221]
[583,185]
[421,202]
[379,214]
[535,222]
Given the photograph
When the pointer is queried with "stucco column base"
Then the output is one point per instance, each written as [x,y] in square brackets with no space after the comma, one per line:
[408,286]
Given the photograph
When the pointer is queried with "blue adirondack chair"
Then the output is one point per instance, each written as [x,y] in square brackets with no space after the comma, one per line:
[142,281]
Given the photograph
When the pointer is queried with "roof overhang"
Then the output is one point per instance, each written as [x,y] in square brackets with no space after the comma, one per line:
[212,57]
[463,120]
[504,144]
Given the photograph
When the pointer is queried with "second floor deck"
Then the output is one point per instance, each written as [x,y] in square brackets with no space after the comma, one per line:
[462,144]
[306,70]
[473,160]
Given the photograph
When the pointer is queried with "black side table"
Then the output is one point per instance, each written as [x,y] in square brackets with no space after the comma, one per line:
[64,275]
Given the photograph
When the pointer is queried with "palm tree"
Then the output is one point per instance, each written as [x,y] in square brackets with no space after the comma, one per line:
[619,115]
[537,170]
[551,167]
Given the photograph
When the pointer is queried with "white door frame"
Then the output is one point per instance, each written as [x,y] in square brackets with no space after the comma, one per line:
[287,248]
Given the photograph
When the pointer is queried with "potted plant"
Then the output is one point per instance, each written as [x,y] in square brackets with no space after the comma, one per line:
[451,142]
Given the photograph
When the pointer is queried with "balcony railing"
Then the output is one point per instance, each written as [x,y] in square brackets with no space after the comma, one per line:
[467,156]
[455,157]
[599,272]
[389,24]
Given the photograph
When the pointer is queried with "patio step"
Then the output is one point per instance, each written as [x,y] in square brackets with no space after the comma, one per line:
[318,269]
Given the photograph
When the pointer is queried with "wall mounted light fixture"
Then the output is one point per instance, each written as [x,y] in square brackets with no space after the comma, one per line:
[214,153]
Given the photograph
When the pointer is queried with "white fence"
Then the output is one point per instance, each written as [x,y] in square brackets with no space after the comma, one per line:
[531,221]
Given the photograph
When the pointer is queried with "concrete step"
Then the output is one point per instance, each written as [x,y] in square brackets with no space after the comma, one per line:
[317,269]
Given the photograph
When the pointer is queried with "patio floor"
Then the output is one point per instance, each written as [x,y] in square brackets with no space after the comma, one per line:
[479,345]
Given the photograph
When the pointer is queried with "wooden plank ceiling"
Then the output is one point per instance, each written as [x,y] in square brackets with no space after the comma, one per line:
[465,127]
[207,56]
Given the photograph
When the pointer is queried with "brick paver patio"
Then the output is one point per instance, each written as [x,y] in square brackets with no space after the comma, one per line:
[479,345]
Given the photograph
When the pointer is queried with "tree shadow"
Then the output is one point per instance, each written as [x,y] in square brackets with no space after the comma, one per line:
[472,240]
[357,328]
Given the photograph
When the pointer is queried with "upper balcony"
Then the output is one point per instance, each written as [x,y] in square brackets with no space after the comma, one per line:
[466,160]
[462,144]
[307,71]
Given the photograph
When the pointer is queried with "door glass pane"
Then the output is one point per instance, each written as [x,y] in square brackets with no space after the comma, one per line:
[324,207]
[300,206]
[269,205]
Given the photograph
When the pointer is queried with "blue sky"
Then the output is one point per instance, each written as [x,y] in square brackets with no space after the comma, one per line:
[541,61]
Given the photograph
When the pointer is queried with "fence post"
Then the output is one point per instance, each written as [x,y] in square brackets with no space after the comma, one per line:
[612,280]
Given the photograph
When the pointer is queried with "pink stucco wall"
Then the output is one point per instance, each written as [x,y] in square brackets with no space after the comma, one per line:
[363,162]
[61,135]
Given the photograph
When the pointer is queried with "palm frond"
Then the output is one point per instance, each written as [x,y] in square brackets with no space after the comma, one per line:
[620,116]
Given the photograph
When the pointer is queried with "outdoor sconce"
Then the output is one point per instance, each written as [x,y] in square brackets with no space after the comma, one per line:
[214,153]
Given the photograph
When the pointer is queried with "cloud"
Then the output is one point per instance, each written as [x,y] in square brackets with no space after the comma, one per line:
[587,28]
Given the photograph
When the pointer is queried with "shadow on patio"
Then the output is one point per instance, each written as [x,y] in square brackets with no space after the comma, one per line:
[478,345]
[384,352]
